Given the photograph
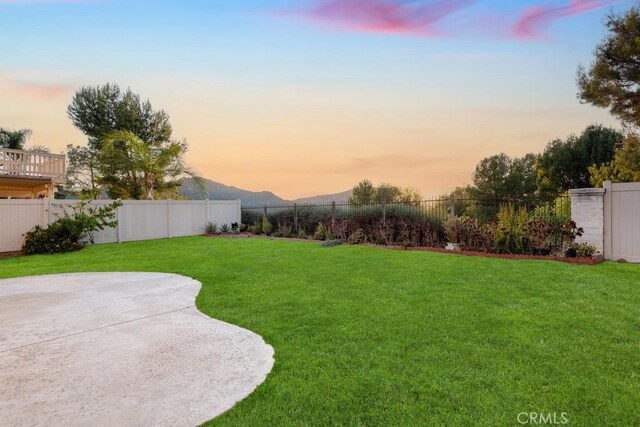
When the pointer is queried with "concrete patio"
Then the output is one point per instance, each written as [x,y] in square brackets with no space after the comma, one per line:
[119,349]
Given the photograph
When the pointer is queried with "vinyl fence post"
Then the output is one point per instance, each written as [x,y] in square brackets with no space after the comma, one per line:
[207,213]
[608,225]
[119,225]
[169,220]
[46,218]
[333,213]
[295,217]
[452,207]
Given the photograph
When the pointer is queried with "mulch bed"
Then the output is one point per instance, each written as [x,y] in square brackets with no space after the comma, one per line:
[582,261]
[10,254]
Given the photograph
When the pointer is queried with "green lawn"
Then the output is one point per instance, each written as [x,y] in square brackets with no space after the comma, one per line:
[367,336]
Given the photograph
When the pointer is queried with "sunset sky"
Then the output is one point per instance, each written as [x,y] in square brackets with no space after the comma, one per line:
[309,97]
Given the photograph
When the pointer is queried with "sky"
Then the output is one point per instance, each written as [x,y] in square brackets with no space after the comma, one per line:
[309,97]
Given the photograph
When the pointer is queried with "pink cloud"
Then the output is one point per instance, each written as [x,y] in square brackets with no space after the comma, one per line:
[42,91]
[535,19]
[385,16]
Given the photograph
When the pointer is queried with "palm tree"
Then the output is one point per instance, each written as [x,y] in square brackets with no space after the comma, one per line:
[145,165]
[14,139]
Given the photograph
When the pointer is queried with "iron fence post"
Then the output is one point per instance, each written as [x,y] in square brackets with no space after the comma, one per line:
[333,213]
[452,207]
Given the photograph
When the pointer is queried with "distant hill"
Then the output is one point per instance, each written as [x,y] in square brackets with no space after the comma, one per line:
[217,191]
[327,198]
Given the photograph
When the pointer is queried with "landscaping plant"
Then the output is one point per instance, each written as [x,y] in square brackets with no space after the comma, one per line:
[510,230]
[73,231]
[211,229]
[266,227]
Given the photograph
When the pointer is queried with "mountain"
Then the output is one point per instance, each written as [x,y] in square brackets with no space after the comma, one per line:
[217,191]
[327,198]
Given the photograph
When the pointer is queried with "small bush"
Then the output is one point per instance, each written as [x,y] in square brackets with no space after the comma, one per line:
[540,232]
[267,228]
[332,243]
[244,228]
[510,230]
[570,252]
[225,228]
[321,232]
[584,249]
[474,236]
[211,228]
[72,232]
[357,238]
[451,231]
[284,230]
[256,228]
[570,231]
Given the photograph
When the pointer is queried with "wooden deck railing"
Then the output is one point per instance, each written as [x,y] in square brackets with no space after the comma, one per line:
[28,164]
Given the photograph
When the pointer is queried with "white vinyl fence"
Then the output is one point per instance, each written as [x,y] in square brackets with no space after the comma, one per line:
[622,221]
[137,220]
[610,217]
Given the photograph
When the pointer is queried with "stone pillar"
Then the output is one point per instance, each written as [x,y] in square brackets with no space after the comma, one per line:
[587,211]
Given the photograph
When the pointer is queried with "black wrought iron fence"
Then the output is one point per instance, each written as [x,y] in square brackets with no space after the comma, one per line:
[436,210]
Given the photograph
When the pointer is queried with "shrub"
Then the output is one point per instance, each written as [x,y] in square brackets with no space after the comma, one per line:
[251,216]
[332,243]
[244,227]
[257,227]
[320,233]
[569,231]
[474,236]
[584,249]
[451,230]
[301,234]
[225,228]
[357,238]
[510,230]
[211,228]
[267,228]
[72,232]
[283,230]
[540,232]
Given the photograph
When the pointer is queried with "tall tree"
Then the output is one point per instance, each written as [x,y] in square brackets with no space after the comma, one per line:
[613,79]
[140,156]
[363,193]
[501,176]
[491,177]
[387,193]
[101,110]
[625,166]
[83,174]
[146,167]
[565,164]
[522,180]
[14,139]
[410,196]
